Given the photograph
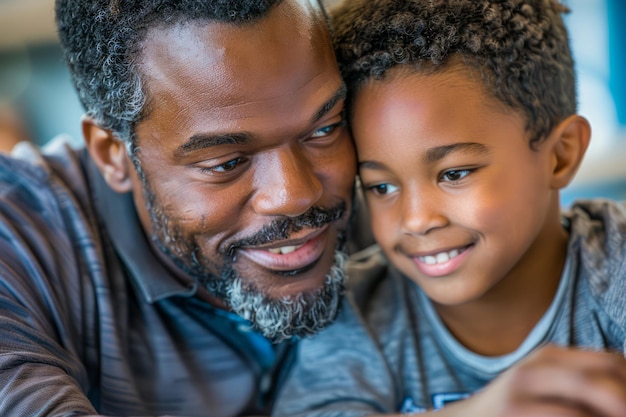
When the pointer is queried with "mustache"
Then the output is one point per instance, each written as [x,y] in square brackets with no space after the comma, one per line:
[282,228]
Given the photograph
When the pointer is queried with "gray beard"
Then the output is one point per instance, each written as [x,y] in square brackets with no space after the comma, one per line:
[278,319]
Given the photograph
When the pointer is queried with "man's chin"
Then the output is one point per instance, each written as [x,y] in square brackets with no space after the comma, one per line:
[299,315]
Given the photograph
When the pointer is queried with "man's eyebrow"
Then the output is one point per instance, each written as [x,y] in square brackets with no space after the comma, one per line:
[440,152]
[340,94]
[202,141]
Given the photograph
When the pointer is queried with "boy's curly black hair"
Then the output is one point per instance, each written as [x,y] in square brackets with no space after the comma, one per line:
[519,48]
[102,40]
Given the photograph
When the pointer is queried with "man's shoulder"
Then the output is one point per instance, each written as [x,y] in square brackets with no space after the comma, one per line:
[44,195]
[42,180]
[16,170]
[29,164]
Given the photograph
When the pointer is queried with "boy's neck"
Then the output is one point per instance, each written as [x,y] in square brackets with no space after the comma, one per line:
[498,322]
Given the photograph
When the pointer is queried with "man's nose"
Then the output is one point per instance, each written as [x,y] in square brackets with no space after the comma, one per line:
[286,184]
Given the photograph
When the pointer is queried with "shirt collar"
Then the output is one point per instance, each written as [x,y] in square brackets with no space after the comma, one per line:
[149,275]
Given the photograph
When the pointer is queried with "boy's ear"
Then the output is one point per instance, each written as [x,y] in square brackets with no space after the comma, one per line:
[570,140]
[109,155]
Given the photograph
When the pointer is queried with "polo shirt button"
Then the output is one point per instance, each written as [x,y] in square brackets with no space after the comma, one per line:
[244,328]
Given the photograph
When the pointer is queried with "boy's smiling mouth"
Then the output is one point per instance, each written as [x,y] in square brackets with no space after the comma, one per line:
[441,257]
[442,262]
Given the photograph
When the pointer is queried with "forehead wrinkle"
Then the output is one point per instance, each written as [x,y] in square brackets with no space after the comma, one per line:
[438,153]
[338,95]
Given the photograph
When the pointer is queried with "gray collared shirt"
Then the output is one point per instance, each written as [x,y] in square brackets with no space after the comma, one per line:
[92,323]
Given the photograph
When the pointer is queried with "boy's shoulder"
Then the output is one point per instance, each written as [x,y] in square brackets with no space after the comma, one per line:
[367,269]
[598,235]
[598,243]
[378,291]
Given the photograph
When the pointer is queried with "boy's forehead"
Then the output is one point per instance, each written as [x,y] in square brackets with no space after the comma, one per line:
[434,110]
[451,78]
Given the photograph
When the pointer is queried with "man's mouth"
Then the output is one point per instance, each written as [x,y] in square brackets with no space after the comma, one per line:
[295,255]
[283,250]
[291,245]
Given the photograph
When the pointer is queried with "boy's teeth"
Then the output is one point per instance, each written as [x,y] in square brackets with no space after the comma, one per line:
[440,257]
[283,250]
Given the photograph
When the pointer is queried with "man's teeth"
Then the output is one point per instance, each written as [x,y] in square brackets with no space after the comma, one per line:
[284,249]
[440,257]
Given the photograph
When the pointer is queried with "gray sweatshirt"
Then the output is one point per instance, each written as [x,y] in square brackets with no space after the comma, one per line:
[397,356]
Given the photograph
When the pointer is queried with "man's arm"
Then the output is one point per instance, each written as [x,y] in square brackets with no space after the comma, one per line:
[38,375]
[42,299]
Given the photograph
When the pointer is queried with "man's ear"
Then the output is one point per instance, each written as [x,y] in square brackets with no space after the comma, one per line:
[570,139]
[109,154]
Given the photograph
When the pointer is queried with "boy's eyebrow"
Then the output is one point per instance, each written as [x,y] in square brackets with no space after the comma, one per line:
[438,153]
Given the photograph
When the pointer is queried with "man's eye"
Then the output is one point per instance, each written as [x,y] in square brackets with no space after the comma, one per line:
[455,175]
[225,167]
[327,130]
[382,189]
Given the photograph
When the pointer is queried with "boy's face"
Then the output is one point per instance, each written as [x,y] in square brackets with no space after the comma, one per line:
[460,202]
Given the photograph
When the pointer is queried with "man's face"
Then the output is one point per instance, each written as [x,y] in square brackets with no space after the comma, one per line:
[459,201]
[247,165]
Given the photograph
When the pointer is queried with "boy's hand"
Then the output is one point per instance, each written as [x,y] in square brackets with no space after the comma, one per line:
[553,382]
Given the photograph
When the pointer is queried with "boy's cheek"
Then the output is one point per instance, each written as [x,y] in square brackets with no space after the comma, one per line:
[385,227]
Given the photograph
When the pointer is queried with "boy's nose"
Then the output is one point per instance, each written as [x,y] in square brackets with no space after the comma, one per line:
[286,184]
[422,213]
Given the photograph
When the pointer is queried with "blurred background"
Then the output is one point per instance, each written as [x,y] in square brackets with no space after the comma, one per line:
[37,100]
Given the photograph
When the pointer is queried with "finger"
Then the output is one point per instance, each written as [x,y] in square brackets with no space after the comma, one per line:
[586,362]
[490,403]
[593,381]
[546,409]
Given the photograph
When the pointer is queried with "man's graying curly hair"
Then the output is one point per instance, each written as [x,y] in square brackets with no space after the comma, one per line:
[519,48]
[103,38]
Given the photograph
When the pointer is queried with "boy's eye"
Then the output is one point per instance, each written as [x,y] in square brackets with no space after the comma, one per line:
[455,175]
[382,189]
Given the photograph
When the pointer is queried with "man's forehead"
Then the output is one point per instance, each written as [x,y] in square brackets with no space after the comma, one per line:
[241,57]
[290,22]
[302,16]
[269,76]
